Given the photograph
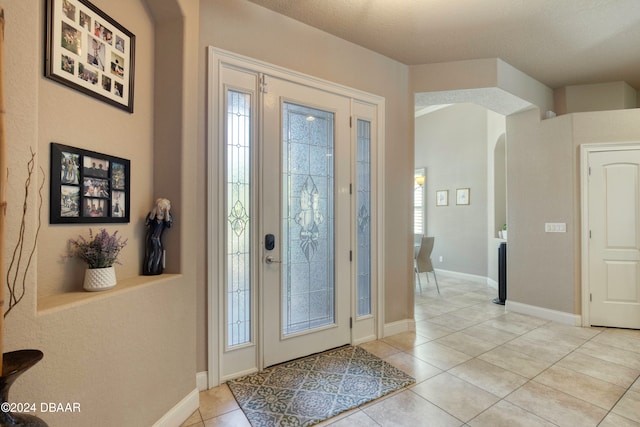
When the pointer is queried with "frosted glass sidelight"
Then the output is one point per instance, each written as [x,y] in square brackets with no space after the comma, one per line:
[238,210]
[363,203]
[308,218]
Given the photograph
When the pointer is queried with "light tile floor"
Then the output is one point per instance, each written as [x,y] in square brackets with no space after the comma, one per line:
[477,365]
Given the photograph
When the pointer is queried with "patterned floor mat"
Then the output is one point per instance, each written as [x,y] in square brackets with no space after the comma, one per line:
[307,391]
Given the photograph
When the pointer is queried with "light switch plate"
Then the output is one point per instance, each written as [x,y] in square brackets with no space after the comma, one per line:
[555,227]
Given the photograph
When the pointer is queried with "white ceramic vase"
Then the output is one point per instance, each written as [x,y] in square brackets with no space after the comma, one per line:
[99,279]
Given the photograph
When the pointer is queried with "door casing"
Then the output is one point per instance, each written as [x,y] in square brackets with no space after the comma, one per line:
[218,58]
[585,151]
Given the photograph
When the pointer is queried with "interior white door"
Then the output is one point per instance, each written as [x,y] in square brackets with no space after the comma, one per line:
[614,246]
[306,210]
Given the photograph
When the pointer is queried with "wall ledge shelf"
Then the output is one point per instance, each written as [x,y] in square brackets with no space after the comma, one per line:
[59,302]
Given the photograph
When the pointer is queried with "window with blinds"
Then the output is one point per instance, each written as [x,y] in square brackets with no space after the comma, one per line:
[418,202]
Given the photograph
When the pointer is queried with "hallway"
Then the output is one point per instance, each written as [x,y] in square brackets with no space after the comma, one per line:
[476,365]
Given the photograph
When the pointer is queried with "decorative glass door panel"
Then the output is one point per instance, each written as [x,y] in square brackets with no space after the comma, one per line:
[363,206]
[238,211]
[306,209]
[308,216]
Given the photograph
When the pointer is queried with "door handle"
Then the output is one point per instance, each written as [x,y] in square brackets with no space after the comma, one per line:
[269,260]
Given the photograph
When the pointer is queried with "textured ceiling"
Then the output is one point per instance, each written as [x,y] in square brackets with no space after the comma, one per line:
[493,98]
[557,42]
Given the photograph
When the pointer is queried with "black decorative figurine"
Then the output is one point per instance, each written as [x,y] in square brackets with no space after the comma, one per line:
[157,220]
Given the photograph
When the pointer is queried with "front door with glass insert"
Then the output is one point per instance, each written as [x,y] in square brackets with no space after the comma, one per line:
[305,206]
[291,216]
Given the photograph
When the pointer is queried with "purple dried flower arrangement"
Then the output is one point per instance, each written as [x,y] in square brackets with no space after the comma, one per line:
[99,251]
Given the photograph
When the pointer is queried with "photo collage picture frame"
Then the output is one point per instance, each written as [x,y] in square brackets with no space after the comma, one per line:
[88,51]
[88,187]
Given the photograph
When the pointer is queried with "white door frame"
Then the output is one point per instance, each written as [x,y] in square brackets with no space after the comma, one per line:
[585,151]
[215,257]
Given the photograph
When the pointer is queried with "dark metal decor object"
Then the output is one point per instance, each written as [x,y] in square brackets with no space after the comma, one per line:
[157,221]
[502,275]
[15,363]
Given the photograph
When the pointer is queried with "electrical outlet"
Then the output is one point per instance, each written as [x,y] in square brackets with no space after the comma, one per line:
[441,258]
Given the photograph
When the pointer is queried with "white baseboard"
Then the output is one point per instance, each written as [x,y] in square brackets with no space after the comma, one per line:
[492,283]
[399,327]
[226,378]
[544,313]
[471,277]
[179,413]
[364,340]
[202,381]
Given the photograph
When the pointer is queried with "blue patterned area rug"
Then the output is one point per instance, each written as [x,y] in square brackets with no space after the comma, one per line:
[306,391]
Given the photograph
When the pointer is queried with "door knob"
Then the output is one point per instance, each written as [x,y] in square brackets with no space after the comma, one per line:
[269,260]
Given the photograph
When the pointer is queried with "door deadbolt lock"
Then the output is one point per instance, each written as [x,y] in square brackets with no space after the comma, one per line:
[269,242]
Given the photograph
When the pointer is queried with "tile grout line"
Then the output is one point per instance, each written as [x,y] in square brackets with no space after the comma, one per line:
[500,399]
[474,306]
[528,379]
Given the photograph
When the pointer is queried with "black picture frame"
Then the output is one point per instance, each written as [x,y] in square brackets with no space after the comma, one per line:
[88,187]
[89,51]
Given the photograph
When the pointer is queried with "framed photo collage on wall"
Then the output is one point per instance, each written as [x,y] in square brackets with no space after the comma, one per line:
[88,187]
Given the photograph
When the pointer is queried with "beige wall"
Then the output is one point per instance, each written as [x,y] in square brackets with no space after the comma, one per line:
[455,157]
[445,76]
[517,83]
[540,188]
[244,28]
[506,88]
[606,126]
[544,186]
[496,188]
[127,349]
[594,97]
[138,347]
[70,118]
[497,176]
[542,181]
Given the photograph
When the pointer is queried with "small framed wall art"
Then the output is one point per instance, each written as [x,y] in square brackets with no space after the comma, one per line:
[88,51]
[462,196]
[442,197]
[88,187]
